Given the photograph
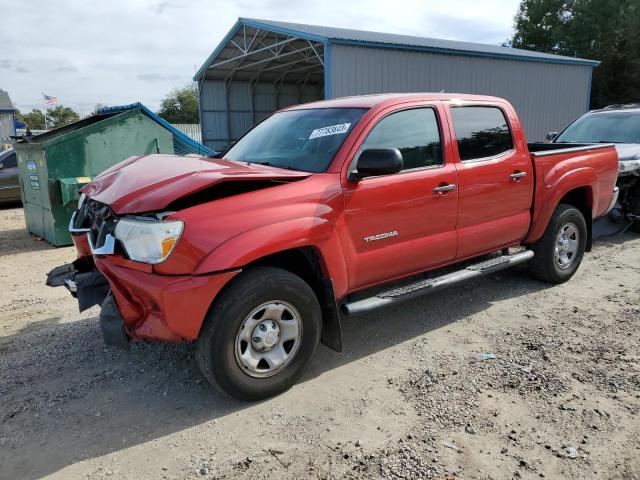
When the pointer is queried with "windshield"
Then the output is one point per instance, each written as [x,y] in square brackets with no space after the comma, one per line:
[304,140]
[614,127]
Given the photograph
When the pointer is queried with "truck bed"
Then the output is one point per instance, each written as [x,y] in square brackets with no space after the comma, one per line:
[543,149]
[555,164]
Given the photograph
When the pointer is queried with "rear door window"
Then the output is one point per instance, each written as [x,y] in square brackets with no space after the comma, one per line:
[414,132]
[481,132]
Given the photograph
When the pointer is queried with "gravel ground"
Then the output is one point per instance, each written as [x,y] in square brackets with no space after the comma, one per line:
[413,395]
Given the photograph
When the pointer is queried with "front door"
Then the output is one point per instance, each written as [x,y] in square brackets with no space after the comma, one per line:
[403,223]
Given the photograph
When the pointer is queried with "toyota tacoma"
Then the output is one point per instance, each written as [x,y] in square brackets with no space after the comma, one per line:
[322,211]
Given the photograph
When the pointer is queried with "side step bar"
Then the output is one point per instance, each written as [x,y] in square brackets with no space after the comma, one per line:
[423,287]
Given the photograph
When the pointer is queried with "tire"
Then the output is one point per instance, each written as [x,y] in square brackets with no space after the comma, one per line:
[550,266]
[635,226]
[243,314]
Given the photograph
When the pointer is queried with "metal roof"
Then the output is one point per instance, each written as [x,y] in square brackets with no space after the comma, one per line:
[332,35]
[182,144]
[5,102]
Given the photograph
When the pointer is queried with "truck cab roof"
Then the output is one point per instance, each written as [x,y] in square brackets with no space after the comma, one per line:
[383,99]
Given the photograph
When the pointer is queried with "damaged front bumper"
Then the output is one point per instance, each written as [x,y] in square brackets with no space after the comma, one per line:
[90,287]
[140,305]
[83,280]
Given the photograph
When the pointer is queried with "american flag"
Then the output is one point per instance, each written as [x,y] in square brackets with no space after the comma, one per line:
[49,100]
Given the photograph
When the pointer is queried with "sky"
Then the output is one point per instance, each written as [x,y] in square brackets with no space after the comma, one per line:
[115,52]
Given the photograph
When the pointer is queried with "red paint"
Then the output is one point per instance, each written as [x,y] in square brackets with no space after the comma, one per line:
[487,211]
[152,182]
[82,245]
[162,307]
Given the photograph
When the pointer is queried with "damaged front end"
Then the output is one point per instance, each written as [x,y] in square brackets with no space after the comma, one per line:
[83,280]
[81,277]
[90,287]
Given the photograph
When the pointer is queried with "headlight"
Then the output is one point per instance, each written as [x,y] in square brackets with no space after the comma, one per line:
[148,241]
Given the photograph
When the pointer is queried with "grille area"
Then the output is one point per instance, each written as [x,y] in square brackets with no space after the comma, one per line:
[98,218]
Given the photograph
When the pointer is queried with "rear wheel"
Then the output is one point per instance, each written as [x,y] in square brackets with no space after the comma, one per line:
[260,335]
[559,252]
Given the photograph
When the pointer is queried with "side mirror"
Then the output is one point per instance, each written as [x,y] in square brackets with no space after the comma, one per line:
[551,136]
[377,161]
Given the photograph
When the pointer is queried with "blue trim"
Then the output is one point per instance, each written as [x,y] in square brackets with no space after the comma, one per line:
[361,43]
[587,107]
[251,23]
[328,68]
[218,49]
[466,53]
[283,30]
[182,144]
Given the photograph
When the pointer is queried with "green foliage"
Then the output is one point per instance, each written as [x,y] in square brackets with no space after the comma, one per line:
[542,25]
[61,116]
[181,105]
[97,108]
[34,120]
[595,29]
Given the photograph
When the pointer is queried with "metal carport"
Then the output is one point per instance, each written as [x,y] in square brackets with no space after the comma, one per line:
[264,65]
[253,72]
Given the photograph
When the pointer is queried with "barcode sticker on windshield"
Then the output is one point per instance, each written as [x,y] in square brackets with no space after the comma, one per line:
[332,130]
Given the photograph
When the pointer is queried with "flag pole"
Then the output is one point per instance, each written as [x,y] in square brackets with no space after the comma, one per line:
[44,107]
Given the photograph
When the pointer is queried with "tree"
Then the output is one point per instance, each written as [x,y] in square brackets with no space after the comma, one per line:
[541,25]
[595,29]
[181,105]
[96,109]
[34,120]
[61,116]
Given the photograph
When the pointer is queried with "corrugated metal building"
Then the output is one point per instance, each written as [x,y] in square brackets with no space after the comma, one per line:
[7,126]
[263,65]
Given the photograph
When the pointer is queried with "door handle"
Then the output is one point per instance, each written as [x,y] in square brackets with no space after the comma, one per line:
[518,175]
[445,188]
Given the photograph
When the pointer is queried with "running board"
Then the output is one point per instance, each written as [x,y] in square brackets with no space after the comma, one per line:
[423,287]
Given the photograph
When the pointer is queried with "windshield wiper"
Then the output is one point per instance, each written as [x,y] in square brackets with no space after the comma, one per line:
[269,164]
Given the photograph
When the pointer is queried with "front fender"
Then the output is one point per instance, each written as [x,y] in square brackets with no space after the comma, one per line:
[548,196]
[246,247]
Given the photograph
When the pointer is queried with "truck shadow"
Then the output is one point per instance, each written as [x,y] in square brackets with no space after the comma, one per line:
[66,397]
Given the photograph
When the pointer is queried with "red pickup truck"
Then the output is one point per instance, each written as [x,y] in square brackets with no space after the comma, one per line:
[324,210]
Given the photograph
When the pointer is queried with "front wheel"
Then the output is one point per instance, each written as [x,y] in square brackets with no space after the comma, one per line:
[559,252]
[260,335]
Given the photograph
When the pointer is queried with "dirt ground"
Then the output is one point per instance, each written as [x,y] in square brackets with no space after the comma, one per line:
[410,397]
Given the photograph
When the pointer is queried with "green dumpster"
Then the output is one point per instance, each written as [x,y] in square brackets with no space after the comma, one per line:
[53,166]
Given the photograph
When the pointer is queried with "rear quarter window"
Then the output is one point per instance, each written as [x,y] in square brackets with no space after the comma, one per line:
[481,132]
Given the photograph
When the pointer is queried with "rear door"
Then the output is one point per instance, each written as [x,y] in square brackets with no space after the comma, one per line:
[495,178]
[398,224]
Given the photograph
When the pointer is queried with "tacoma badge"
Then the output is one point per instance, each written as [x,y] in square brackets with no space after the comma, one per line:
[381,236]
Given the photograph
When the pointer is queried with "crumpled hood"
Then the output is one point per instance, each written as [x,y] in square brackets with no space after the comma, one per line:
[151,182]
